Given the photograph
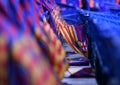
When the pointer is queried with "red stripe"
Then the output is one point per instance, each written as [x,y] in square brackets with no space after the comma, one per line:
[31,64]
[53,57]
[54,41]
[3,48]
[60,49]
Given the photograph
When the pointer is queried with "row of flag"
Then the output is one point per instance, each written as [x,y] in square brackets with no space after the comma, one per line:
[30,49]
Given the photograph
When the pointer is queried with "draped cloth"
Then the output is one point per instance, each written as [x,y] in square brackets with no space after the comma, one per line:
[30,52]
[70,33]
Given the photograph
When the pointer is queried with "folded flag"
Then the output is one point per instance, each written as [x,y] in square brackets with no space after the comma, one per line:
[70,34]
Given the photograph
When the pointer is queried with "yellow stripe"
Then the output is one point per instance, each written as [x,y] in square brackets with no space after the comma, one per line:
[71,34]
[76,39]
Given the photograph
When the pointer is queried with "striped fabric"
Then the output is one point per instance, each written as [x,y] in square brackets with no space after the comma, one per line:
[28,54]
[56,51]
[3,59]
[26,62]
[82,38]
[69,32]
[53,44]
